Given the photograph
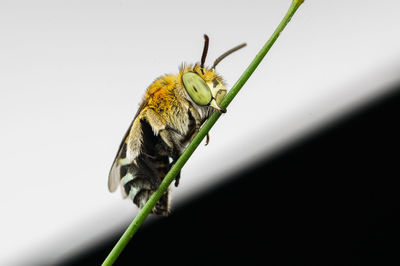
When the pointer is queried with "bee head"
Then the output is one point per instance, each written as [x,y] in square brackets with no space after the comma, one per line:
[205,89]
[204,86]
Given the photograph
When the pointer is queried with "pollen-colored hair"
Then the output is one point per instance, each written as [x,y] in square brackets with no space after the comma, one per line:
[207,74]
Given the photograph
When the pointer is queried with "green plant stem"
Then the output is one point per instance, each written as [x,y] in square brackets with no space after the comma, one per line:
[144,212]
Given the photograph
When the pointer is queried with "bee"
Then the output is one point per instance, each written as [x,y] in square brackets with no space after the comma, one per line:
[172,111]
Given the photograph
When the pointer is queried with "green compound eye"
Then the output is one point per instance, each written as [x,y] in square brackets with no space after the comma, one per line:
[197,88]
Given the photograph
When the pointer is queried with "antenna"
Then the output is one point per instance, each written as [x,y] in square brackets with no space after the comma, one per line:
[205,50]
[234,49]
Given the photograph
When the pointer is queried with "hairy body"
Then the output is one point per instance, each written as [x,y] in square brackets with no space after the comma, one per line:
[172,111]
[165,123]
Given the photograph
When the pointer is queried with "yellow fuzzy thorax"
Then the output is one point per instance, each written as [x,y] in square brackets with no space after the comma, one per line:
[162,94]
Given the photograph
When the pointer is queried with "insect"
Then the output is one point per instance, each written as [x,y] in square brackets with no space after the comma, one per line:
[172,111]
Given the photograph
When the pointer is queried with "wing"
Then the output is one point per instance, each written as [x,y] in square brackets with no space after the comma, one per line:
[141,176]
[143,157]
[114,176]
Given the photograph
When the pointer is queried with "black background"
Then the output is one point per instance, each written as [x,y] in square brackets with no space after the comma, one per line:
[331,199]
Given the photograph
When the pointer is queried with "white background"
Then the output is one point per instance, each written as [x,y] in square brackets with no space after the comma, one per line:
[72,74]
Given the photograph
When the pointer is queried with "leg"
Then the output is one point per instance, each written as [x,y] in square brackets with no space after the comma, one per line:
[177,178]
